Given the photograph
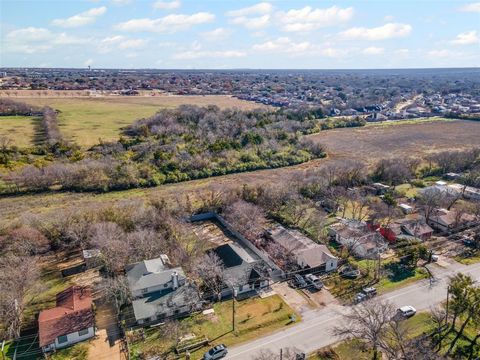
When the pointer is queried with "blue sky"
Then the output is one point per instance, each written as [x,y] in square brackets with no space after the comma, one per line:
[200,34]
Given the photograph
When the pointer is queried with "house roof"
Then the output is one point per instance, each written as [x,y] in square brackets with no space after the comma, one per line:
[305,249]
[159,302]
[232,255]
[73,312]
[416,228]
[149,273]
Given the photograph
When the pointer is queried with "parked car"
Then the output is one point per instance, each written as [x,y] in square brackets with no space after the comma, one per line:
[314,281]
[366,293]
[434,258]
[349,272]
[298,282]
[216,352]
[407,311]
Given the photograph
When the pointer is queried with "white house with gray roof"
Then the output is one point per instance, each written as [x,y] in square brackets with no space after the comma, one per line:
[160,291]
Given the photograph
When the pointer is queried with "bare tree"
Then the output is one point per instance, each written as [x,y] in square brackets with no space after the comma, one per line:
[111,240]
[368,322]
[246,218]
[17,289]
[209,269]
[288,353]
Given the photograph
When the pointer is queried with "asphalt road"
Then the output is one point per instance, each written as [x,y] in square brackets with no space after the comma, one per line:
[314,332]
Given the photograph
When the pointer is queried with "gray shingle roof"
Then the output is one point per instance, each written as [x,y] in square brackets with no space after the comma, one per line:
[149,273]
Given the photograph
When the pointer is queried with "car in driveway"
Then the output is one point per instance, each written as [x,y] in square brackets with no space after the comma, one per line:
[298,282]
[365,294]
[406,311]
[217,352]
[314,281]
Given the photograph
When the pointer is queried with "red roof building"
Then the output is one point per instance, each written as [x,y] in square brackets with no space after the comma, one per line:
[71,321]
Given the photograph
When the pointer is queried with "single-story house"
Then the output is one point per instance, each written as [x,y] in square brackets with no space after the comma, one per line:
[445,220]
[160,291]
[357,237]
[307,253]
[380,188]
[72,320]
[417,229]
[407,209]
[244,271]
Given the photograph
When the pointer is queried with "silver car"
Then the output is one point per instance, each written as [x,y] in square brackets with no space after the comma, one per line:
[216,352]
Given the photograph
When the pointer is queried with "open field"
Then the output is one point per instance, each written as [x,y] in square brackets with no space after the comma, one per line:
[405,138]
[361,144]
[19,129]
[85,120]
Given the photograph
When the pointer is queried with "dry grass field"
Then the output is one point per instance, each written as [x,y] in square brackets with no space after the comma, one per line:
[20,130]
[363,144]
[86,120]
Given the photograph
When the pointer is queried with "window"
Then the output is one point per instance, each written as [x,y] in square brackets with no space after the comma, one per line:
[144,291]
[62,339]
[83,332]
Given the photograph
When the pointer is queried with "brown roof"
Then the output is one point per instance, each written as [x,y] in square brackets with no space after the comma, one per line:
[73,313]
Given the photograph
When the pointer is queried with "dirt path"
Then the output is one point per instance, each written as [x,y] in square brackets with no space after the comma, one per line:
[106,345]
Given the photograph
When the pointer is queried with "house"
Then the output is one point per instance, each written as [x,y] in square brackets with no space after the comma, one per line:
[407,209]
[445,220]
[160,291]
[244,272]
[380,188]
[357,237]
[417,229]
[307,253]
[91,257]
[72,320]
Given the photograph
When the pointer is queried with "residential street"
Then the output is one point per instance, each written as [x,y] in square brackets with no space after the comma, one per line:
[314,332]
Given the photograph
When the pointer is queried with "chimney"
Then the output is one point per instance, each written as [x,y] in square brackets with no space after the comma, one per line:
[175,280]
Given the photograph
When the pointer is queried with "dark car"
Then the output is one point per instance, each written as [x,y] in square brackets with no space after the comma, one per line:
[298,282]
[365,294]
[216,352]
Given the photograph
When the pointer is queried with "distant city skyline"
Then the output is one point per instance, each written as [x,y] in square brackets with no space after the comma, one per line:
[187,34]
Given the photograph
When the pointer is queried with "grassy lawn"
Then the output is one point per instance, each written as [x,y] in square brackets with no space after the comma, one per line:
[407,190]
[393,278]
[468,260]
[408,121]
[19,129]
[355,349]
[75,352]
[86,120]
[254,318]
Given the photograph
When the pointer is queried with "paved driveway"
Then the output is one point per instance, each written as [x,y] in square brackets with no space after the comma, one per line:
[106,345]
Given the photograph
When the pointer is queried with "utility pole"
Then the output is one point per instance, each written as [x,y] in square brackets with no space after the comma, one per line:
[446,307]
[281,353]
[233,307]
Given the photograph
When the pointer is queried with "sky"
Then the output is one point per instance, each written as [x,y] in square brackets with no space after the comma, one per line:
[227,34]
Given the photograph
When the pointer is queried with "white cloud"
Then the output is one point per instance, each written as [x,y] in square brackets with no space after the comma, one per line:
[372,50]
[167,24]
[260,8]
[81,19]
[472,7]
[167,5]
[387,31]
[388,18]
[189,55]
[120,2]
[308,18]
[442,53]
[252,17]
[252,22]
[402,52]
[283,44]
[292,48]
[31,40]
[110,43]
[216,34]
[467,38]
